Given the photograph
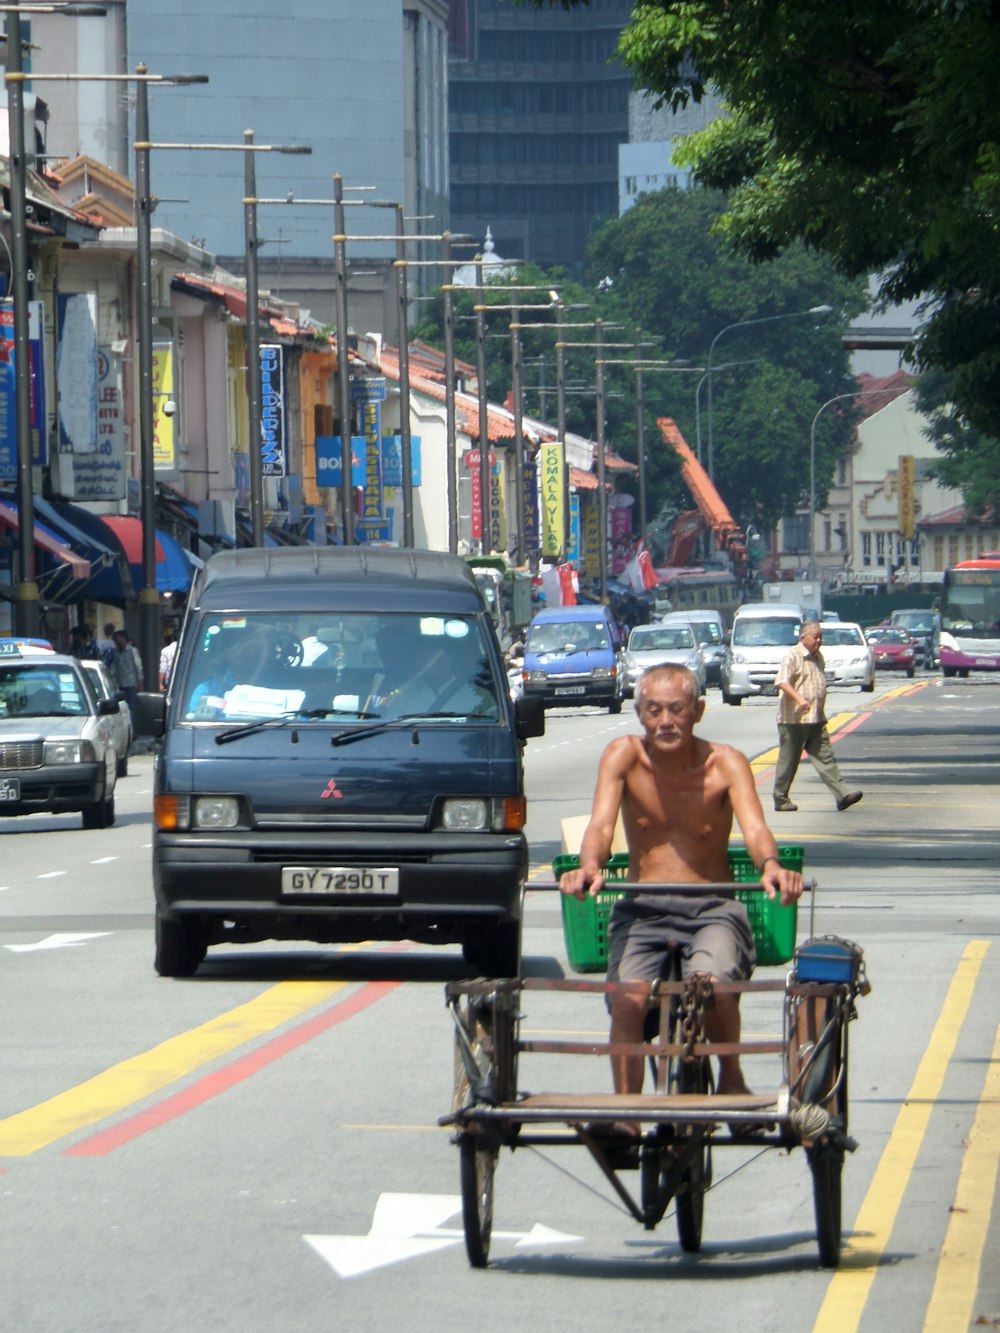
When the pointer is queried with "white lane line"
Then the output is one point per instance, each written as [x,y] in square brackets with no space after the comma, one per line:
[103,860]
[51,874]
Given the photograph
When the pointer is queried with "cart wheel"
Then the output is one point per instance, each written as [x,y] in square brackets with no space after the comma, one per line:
[829,1059]
[690,1199]
[478,1162]
[827,1164]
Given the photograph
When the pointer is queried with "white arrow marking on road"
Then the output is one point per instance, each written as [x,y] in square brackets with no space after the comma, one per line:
[405,1226]
[60,941]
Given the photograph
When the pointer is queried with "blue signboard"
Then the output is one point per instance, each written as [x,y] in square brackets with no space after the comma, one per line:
[392,460]
[272,411]
[368,390]
[573,550]
[329,460]
[8,399]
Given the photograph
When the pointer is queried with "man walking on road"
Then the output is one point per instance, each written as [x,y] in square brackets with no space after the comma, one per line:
[801,682]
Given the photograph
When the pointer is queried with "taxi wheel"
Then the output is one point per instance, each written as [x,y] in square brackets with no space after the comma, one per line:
[101,815]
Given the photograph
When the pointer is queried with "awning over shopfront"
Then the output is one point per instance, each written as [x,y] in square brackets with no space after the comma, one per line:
[49,541]
[120,580]
[173,568]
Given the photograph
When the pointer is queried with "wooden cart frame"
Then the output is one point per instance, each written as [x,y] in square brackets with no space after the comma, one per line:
[667,1135]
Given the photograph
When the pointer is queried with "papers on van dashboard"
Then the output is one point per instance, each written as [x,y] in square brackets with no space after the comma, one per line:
[256,701]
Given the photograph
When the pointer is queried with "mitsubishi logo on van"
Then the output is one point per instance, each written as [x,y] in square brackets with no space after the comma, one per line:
[332,790]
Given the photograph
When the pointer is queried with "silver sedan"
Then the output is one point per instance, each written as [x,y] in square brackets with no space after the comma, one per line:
[662,645]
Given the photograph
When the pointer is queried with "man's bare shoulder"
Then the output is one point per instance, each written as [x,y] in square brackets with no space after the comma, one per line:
[624,752]
[726,758]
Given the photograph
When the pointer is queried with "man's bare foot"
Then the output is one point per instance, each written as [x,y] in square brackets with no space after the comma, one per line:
[732,1087]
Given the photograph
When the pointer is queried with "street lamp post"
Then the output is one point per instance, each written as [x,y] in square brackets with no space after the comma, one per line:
[742,324]
[837,398]
[249,149]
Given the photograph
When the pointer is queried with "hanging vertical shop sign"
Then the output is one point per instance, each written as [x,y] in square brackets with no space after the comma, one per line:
[907,509]
[498,507]
[164,429]
[550,463]
[573,551]
[471,461]
[272,412]
[8,413]
[590,533]
[374,525]
[76,373]
[529,509]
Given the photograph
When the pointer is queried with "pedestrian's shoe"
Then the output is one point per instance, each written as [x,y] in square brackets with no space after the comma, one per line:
[852,798]
[789,806]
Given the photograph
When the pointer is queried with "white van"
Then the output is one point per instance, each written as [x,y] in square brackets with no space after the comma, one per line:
[709,634]
[762,633]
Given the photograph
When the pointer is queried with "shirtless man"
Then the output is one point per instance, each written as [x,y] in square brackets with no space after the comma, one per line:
[677,795]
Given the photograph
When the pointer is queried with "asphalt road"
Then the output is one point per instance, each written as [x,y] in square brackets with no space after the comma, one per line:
[257,1149]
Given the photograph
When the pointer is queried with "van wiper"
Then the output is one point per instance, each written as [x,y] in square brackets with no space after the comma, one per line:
[293,715]
[397,724]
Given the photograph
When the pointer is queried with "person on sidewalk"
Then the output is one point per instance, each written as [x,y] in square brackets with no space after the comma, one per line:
[801,682]
[126,668]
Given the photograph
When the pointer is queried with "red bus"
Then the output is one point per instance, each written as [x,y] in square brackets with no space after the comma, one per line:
[970,616]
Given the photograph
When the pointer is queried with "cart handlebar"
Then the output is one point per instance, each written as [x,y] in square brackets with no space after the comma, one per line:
[634,887]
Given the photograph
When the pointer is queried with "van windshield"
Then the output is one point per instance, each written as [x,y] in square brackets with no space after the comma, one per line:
[765,632]
[570,636]
[306,667]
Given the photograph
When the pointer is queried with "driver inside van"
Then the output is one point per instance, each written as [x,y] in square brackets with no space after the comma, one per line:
[232,657]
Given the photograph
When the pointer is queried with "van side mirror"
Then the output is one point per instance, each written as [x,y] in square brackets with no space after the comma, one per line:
[529,716]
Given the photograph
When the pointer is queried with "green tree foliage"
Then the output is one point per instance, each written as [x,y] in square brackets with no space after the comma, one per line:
[665,285]
[773,364]
[871,132]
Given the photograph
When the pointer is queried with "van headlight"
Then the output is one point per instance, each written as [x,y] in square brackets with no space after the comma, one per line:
[173,814]
[478,814]
[739,659]
[69,752]
[604,673]
[534,677]
[215,812]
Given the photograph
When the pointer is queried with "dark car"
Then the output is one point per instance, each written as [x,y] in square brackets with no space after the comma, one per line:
[57,745]
[341,760]
[894,649]
[924,628]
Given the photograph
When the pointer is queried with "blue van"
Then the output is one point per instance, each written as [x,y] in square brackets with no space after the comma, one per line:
[574,655]
[341,759]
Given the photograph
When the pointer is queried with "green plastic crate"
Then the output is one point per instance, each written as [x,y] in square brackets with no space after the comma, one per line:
[585,924]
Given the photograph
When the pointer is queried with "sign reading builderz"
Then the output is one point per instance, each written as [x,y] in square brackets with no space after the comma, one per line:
[272,412]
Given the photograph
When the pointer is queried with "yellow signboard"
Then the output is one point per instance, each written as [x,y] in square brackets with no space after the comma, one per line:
[553,486]
[907,509]
[164,442]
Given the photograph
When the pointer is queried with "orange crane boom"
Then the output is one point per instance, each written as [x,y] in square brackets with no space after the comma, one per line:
[728,535]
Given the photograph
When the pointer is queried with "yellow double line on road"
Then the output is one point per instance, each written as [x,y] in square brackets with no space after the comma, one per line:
[849,1287]
[133,1080]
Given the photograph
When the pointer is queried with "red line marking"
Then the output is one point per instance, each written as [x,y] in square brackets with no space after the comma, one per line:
[848,727]
[107,1140]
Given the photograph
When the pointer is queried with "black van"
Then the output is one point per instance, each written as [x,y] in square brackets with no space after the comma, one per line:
[341,759]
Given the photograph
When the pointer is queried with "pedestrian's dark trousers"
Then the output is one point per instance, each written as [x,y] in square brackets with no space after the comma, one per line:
[793,738]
